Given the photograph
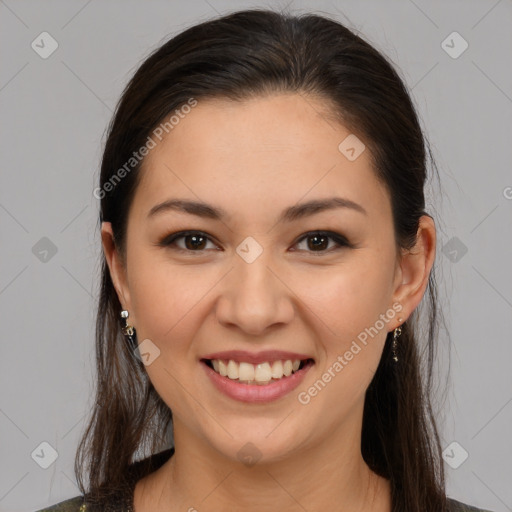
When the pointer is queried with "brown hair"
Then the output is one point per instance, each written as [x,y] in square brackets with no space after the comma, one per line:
[248,54]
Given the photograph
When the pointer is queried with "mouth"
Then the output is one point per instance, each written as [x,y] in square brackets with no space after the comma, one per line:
[252,377]
[261,374]
[257,382]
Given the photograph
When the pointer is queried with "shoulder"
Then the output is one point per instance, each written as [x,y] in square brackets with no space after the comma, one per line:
[457,506]
[122,497]
[70,505]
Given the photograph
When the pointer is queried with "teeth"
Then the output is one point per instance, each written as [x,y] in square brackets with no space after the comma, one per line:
[233,370]
[261,373]
[223,370]
[245,371]
[277,369]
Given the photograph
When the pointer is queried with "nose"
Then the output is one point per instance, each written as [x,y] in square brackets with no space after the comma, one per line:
[254,298]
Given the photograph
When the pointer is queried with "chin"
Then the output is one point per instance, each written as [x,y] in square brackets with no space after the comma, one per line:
[251,447]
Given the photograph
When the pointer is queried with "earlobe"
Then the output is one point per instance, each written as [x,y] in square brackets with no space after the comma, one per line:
[115,264]
[415,266]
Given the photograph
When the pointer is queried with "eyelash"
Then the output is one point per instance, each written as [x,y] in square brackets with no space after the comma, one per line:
[341,241]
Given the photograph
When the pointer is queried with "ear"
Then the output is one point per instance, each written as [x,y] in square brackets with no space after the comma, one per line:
[116,265]
[413,269]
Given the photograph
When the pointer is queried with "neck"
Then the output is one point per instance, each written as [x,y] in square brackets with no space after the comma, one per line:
[198,478]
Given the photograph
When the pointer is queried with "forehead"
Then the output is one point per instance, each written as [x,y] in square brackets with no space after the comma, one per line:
[259,153]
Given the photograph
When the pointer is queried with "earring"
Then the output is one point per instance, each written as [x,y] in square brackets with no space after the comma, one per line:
[396,334]
[129,330]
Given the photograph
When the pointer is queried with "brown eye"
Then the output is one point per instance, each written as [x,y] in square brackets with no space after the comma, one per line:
[318,241]
[194,241]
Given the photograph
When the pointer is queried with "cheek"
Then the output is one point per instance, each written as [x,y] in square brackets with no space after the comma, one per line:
[350,297]
[156,292]
[349,324]
[168,301]
[164,299]
[349,302]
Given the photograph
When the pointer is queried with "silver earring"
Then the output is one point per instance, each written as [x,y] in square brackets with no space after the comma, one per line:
[129,330]
[396,334]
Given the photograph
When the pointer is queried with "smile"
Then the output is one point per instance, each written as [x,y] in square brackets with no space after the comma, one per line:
[255,374]
[261,382]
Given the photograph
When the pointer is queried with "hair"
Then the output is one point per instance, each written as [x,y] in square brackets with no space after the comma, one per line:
[250,54]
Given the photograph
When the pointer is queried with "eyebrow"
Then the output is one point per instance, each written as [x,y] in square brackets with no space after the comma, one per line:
[290,214]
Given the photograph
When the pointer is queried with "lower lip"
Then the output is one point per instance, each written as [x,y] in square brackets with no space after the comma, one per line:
[256,392]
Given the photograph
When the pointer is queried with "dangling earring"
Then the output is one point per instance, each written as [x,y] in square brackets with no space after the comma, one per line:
[396,334]
[129,330]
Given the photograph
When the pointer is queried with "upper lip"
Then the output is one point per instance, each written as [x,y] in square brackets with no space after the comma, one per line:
[256,357]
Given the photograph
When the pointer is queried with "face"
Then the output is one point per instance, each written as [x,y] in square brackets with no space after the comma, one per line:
[259,285]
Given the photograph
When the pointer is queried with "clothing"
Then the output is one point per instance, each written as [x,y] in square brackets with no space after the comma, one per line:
[124,501]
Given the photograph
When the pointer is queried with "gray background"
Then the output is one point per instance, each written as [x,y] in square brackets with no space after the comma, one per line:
[54,114]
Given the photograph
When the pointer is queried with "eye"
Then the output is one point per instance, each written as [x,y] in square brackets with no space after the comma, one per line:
[196,241]
[319,241]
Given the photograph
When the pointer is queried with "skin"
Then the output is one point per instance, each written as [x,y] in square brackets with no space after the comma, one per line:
[254,159]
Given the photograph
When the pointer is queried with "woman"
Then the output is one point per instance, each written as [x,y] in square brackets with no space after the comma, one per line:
[266,248]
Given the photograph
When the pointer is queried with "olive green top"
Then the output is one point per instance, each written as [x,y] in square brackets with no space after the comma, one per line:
[124,502]
[76,505]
